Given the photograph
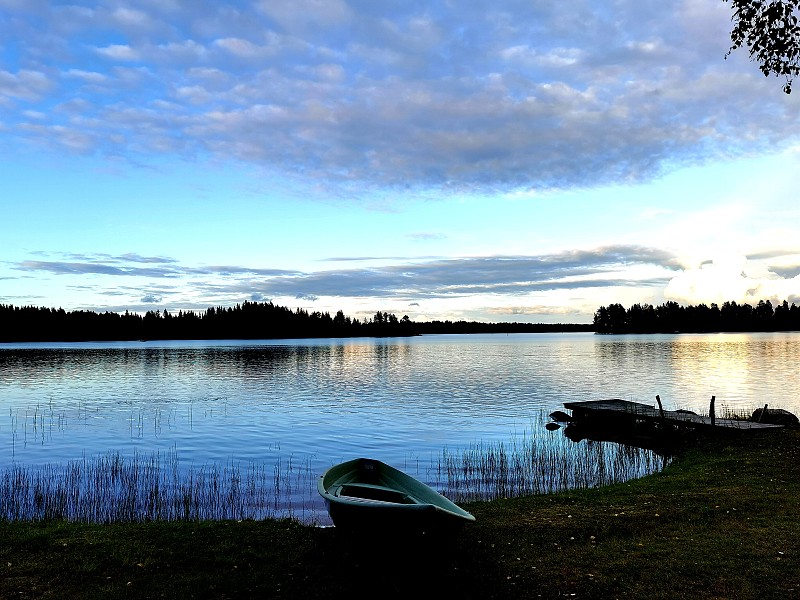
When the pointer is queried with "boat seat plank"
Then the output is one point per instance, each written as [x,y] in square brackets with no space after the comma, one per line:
[368,491]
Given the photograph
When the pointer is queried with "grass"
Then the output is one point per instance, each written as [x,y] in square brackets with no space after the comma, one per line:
[722,521]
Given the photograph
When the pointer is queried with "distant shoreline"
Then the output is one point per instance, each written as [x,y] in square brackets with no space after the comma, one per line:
[247,321]
[260,321]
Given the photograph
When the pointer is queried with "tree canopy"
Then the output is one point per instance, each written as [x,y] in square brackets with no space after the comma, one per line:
[249,320]
[671,317]
[769,30]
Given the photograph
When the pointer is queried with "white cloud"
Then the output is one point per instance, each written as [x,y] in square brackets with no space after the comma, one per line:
[129,17]
[731,278]
[24,85]
[184,51]
[88,76]
[194,94]
[299,16]
[326,72]
[35,115]
[556,57]
[118,52]
[243,48]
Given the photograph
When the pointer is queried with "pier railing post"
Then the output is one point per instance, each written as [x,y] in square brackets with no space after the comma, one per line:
[711,411]
[660,408]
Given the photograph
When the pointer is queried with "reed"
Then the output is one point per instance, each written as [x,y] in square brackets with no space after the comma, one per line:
[114,489]
[156,487]
[537,464]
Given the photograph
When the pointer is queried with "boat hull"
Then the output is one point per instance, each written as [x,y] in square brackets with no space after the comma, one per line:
[368,494]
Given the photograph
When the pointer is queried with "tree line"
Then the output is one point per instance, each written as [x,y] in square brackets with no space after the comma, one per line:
[672,317]
[253,320]
[249,320]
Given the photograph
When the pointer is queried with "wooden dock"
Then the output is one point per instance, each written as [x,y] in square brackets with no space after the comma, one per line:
[622,413]
[644,426]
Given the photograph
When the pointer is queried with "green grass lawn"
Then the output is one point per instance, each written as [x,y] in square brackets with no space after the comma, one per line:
[723,521]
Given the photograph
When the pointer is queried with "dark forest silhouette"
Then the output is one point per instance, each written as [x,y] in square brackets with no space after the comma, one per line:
[253,320]
[672,317]
[249,320]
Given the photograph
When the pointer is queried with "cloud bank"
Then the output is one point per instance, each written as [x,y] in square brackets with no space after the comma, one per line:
[489,284]
[347,94]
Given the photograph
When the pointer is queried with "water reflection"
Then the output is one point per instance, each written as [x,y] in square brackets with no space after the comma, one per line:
[742,370]
[326,401]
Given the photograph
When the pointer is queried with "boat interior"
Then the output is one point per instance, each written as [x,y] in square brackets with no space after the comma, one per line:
[373,493]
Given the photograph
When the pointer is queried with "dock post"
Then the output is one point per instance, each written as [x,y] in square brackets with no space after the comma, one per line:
[660,408]
[711,411]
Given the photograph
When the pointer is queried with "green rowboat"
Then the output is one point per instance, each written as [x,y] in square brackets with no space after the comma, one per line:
[366,493]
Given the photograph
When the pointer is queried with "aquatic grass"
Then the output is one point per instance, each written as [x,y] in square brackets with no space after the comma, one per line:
[117,489]
[537,464]
[114,488]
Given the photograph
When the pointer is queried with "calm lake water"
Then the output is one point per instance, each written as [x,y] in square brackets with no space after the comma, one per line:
[313,403]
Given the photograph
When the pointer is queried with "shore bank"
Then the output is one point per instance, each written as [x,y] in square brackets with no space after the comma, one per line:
[722,521]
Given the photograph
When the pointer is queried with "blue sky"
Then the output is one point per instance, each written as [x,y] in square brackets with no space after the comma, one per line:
[504,161]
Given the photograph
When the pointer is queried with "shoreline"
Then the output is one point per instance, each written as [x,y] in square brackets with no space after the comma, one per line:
[719,522]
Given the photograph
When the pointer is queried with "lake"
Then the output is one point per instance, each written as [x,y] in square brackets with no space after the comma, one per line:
[296,407]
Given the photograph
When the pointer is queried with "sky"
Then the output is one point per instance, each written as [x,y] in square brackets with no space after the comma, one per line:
[511,160]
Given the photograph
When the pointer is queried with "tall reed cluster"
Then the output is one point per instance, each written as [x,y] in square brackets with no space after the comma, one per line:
[538,464]
[113,488]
